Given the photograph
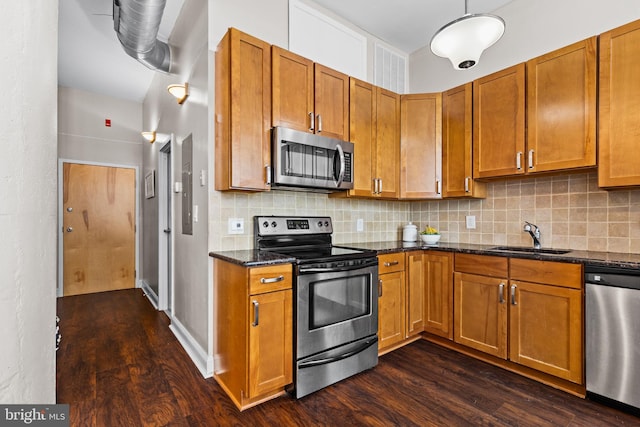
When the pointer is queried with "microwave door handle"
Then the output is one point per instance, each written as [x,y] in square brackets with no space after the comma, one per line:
[340,177]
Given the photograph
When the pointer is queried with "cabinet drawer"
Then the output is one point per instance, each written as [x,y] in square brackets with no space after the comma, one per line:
[484,265]
[389,263]
[269,279]
[547,272]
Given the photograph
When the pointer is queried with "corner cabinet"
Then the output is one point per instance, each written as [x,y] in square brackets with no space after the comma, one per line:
[243,113]
[254,324]
[619,103]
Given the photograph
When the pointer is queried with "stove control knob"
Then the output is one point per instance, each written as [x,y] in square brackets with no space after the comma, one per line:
[265,224]
[319,223]
[326,223]
[273,224]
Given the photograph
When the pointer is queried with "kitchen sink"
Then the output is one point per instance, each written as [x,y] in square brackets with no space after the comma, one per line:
[530,250]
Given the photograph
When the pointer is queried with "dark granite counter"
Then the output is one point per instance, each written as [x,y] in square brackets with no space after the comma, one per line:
[255,258]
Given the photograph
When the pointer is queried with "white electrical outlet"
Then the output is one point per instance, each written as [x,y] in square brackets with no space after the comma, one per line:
[236,226]
[471,222]
[359,224]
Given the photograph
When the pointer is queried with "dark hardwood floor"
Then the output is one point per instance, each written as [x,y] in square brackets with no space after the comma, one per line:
[120,365]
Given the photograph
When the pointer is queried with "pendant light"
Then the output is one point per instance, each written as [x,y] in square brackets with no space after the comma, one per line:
[464,39]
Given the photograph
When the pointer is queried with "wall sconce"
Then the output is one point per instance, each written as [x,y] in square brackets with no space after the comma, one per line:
[149,136]
[180,91]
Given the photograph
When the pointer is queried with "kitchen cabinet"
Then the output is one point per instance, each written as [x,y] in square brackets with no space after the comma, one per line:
[309,97]
[499,123]
[243,113]
[415,298]
[437,286]
[561,108]
[619,103]
[526,311]
[421,146]
[457,145]
[253,343]
[391,300]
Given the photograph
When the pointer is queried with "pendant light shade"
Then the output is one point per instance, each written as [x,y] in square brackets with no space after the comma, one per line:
[464,39]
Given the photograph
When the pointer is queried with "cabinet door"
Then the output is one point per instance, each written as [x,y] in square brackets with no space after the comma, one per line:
[243,112]
[457,144]
[416,280]
[421,146]
[331,103]
[619,103]
[499,123]
[561,108]
[546,329]
[480,313]
[292,87]
[387,143]
[438,294]
[362,132]
[270,342]
[391,311]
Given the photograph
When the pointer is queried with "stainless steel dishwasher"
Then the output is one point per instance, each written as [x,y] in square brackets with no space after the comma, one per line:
[613,336]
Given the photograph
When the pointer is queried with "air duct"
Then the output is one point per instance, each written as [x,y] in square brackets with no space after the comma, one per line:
[136,23]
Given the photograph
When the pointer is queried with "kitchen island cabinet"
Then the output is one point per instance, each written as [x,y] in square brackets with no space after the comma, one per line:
[254,331]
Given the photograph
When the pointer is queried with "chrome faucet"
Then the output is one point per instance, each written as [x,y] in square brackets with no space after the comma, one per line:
[534,231]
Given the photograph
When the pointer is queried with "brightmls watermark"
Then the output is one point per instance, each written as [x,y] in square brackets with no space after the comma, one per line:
[36,415]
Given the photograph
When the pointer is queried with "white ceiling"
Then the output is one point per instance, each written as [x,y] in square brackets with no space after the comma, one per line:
[91,58]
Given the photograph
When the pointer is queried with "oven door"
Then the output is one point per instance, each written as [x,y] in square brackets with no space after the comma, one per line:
[336,305]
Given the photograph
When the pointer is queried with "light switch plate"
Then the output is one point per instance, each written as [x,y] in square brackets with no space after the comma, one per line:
[236,226]
[359,224]
[471,222]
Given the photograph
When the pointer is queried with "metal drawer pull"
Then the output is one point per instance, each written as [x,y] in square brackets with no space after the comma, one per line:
[379,288]
[466,184]
[319,123]
[519,160]
[438,186]
[312,121]
[267,170]
[530,159]
[256,313]
[390,263]
[272,279]
[501,292]
[513,295]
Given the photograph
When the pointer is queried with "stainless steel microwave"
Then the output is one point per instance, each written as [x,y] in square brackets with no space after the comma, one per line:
[310,161]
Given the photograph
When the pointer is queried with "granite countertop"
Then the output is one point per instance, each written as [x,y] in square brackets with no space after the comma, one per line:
[255,258]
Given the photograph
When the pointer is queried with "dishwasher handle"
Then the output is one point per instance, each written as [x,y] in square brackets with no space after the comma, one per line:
[617,280]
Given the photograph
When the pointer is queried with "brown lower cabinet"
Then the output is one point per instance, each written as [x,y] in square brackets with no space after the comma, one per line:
[253,343]
[391,300]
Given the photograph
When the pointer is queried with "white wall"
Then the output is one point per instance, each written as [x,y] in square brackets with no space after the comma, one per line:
[28,39]
[532,29]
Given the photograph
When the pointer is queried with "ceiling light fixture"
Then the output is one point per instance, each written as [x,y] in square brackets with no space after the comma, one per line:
[464,39]
[180,91]
[149,136]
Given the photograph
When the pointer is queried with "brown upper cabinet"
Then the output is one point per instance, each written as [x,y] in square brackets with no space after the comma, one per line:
[243,113]
[421,146]
[619,103]
[457,144]
[561,108]
[309,97]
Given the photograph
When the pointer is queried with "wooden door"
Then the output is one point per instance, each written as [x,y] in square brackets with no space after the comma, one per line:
[619,103]
[415,267]
[546,329]
[499,123]
[480,313]
[421,146]
[292,90]
[362,132]
[457,144]
[388,143]
[391,309]
[331,103]
[99,219]
[561,108]
[438,294]
[270,342]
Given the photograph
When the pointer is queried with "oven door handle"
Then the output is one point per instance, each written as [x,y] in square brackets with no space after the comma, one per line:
[309,270]
[327,360]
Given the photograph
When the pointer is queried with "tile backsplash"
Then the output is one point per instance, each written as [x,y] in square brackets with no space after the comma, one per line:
[571,211]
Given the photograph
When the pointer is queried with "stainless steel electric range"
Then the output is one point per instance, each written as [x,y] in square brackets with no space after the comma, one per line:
[336,300]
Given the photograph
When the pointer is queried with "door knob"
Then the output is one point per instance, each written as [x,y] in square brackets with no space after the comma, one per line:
[69,229]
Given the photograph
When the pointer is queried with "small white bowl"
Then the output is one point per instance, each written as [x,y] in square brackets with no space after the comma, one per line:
[430,239]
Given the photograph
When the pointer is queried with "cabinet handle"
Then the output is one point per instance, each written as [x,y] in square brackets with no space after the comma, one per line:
[519,160]
[390,263]
[466,183]
[379,288]
[272,279]
[501,293]
[530,159]
[438,186]
[312,122]
[513,295]
[267,169]
[379,185]
[256,313]
[319,123]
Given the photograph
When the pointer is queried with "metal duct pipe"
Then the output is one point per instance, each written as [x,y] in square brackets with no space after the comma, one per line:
[136,22]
